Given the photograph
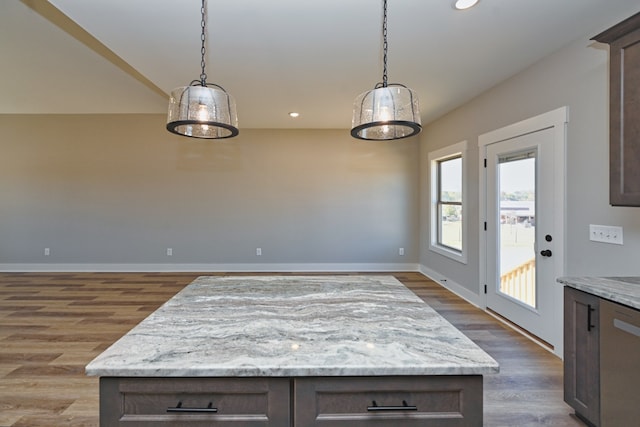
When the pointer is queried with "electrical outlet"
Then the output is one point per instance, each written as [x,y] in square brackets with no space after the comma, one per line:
[401,251]
[47,251]
[605,234]
[169,251]
[258,251]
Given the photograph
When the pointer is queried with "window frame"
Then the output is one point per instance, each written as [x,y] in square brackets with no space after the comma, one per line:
[435,159]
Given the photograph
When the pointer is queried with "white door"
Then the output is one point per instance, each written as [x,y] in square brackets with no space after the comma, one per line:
[524,237]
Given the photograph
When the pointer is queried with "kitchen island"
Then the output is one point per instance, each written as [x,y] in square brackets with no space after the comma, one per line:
[293,350]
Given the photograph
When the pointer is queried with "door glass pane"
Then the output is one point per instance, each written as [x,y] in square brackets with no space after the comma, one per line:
[517,189]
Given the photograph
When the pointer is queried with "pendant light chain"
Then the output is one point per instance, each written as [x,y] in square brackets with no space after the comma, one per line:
[384,45]
[201,109]
[203,75]
[389,111]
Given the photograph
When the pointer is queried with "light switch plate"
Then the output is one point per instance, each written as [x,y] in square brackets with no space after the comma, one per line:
[605,234]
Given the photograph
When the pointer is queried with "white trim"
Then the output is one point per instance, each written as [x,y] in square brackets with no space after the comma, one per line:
[482,218]
[556,119]
[434,156]
[454,287]
[267,268]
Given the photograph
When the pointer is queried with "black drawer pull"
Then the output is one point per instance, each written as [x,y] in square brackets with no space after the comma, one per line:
[589,311]
[404,407]
[179,408]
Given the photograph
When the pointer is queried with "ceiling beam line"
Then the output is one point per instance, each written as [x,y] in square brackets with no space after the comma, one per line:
[69,26]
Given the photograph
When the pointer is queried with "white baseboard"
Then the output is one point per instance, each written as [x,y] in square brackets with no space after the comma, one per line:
[159,268]
[454,287]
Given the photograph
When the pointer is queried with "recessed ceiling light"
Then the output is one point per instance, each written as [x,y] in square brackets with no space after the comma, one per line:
[464,4]
[294,114]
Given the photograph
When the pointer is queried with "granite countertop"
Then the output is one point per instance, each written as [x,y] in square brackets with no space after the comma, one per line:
[623,290]
[287,326]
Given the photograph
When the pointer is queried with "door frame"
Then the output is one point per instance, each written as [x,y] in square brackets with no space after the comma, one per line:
[556,119]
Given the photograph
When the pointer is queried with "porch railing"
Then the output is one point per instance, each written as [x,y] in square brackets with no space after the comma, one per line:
[519,283]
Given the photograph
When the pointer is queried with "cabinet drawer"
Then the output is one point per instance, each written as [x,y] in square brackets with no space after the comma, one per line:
[194,401]
[388,401]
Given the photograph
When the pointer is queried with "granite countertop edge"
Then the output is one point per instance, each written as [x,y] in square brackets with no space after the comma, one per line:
[293,372]
[623,290]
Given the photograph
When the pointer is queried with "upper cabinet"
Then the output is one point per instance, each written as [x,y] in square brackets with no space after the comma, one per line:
[624,116]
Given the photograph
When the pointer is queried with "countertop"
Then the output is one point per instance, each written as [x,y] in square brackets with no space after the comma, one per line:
[288,326]
[623,290]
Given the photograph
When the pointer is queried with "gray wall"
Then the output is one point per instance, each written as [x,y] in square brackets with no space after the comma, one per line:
[577,77]
[119,189]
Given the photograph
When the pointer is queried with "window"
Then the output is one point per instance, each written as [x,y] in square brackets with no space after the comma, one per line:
[448,227]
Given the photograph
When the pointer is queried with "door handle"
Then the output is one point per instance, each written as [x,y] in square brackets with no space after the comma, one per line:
[546,252]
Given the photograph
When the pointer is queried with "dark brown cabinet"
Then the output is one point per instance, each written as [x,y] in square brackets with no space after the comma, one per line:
[238,402]
[624,111]
[452,401]
[582,354]
[386,401]
[619,364]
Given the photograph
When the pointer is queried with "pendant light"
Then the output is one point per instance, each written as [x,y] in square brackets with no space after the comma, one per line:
[389,111]
[202,110]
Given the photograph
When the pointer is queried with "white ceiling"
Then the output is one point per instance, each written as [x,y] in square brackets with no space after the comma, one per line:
[277,56]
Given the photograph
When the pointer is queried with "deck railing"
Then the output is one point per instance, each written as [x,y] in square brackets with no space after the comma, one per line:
[520,282]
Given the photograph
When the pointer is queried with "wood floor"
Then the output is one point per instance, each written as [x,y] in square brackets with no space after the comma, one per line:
[52,325]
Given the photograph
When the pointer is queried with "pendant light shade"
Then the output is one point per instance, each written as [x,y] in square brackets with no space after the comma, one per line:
[389,111]
[202,110]
[386,113]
